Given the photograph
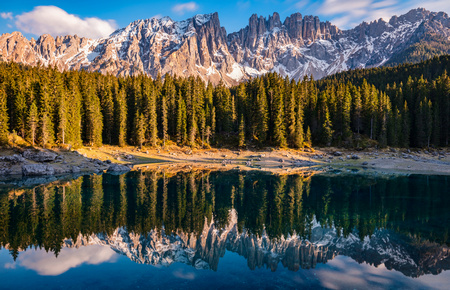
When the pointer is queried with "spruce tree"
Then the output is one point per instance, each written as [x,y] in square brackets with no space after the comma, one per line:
[291,120]
[181,121]
[327,131]
[279,131]
[73,116]
[107,109]
[120,118]
[241,132]
[308,137]
[346,114]
[32,123]
[62,119]
[164,119]
[93,122]
[20,107]
[428,120]
[298,131]
[406,127]
[152,127]
[213,123]
[4,126]
[357,111]
[140,128]
[262,113]
[45,126]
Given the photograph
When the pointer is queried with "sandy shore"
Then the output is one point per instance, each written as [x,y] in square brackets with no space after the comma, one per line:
[276,160]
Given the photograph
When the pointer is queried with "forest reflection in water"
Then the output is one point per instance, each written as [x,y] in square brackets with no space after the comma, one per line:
[194,217]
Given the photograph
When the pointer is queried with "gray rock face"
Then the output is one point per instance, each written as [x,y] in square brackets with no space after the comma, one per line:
[40,156]
[14,159]
[37,170]
[296,47]
[114,167]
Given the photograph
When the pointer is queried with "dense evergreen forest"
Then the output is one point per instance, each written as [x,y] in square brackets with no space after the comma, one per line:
[403,106]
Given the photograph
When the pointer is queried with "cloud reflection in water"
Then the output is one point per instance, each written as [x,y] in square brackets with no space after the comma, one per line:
[47,264]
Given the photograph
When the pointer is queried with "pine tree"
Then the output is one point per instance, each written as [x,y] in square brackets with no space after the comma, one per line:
[279,131]
[32,123]
[346,117]
[262,114]
[107,109]
[357,111]
[308,138]
[93,123]
[20,107]
[120,117]
[241,132]
[405,126]
[73,116]
[152,127]
[139,129]
[164,119]
[213,123]
[202,126]
[62,119]
[4,127]
[428,120]
[436,127]
[192,130]
[45,126]
[298,131]
[181,121]
[291,120]
[327,131]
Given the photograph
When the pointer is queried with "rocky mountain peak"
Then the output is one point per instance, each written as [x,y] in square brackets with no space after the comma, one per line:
[298,46]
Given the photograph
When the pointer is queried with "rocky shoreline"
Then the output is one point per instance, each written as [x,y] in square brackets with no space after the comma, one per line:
[22,163]
[42,162]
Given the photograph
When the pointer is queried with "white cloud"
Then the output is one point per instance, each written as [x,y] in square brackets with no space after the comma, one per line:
[301,4]
[185,7]
[45,263]
[347,13]
[55,21]
[331,7]
[6,15]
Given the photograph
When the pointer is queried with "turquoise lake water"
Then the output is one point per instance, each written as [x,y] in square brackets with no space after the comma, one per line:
[226,229]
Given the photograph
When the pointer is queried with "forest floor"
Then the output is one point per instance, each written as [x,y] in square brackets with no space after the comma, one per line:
[278,161]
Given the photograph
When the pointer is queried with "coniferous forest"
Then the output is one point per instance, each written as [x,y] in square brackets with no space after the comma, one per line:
[404,106]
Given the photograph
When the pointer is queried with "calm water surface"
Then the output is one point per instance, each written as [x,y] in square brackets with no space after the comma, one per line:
[226,229]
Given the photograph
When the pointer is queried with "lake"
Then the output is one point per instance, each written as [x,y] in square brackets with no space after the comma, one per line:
[203,229]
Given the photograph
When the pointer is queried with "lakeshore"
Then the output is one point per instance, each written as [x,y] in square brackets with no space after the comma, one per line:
[88,160]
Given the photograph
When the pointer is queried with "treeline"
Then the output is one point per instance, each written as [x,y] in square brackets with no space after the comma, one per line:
[380,77]
[48,108]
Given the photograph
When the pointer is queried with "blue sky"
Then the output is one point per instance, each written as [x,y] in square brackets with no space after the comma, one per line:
[99,18]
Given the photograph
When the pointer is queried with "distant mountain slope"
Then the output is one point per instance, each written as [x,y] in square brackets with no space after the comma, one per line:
[381,76]
[296,47]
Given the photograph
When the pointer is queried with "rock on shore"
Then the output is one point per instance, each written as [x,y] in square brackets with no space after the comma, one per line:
[37,170]
[118,168]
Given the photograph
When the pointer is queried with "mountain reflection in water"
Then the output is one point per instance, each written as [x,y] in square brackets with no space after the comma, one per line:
[195,217]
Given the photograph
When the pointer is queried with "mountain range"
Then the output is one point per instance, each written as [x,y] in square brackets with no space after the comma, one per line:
[297,47]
